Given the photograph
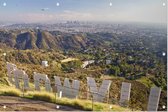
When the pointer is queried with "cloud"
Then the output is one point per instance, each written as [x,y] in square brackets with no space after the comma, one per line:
[127,10]
[71,15]
[47,17]
[66,15]
[35,17]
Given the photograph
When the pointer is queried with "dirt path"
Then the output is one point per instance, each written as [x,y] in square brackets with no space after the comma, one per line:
[68,60]
[22,104]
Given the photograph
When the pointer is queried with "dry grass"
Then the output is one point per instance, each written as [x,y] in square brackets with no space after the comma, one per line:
[50,97]
[9,91]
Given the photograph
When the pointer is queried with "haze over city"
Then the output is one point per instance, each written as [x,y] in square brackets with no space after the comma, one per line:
[47,11]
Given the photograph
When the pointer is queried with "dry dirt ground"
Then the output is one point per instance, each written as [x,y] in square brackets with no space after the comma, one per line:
[22,104]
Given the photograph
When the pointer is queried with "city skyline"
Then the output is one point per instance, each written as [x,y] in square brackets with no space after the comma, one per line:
[43,11]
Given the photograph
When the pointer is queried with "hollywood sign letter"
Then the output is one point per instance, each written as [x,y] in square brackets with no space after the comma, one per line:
[98,94]
[10,68]
[20,74]
[154,99]
[125,92]
[68,90]
[37,79]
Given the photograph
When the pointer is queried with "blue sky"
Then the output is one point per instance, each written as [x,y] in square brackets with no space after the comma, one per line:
[83,10]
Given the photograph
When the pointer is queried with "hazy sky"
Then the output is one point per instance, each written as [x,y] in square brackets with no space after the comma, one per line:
[85,10]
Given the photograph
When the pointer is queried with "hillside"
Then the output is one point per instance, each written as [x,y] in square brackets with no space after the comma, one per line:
[30,61]
[37,39]
[117,57]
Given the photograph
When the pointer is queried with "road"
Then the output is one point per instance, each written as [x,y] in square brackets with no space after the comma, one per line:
[68,60]
[22,104]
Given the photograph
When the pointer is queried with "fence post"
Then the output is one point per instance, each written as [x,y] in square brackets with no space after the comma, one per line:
[108,97]
[23,88]
[92,102]
[55,98]
[88,93]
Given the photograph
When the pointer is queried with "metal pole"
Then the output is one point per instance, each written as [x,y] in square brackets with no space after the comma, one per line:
[23,87]
[4,58]
[88,94]
[55,98]
[56,101]
[108,97]
[92,102]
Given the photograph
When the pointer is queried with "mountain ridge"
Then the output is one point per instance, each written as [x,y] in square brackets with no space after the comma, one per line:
[33,39]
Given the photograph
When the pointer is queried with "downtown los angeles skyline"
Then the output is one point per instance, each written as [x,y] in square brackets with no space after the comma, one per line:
[37,11]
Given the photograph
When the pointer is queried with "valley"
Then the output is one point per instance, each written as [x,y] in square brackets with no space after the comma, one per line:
[134,54]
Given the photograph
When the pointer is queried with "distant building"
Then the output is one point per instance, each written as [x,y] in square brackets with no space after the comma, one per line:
[45,63]
[85,63]
[108,61]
